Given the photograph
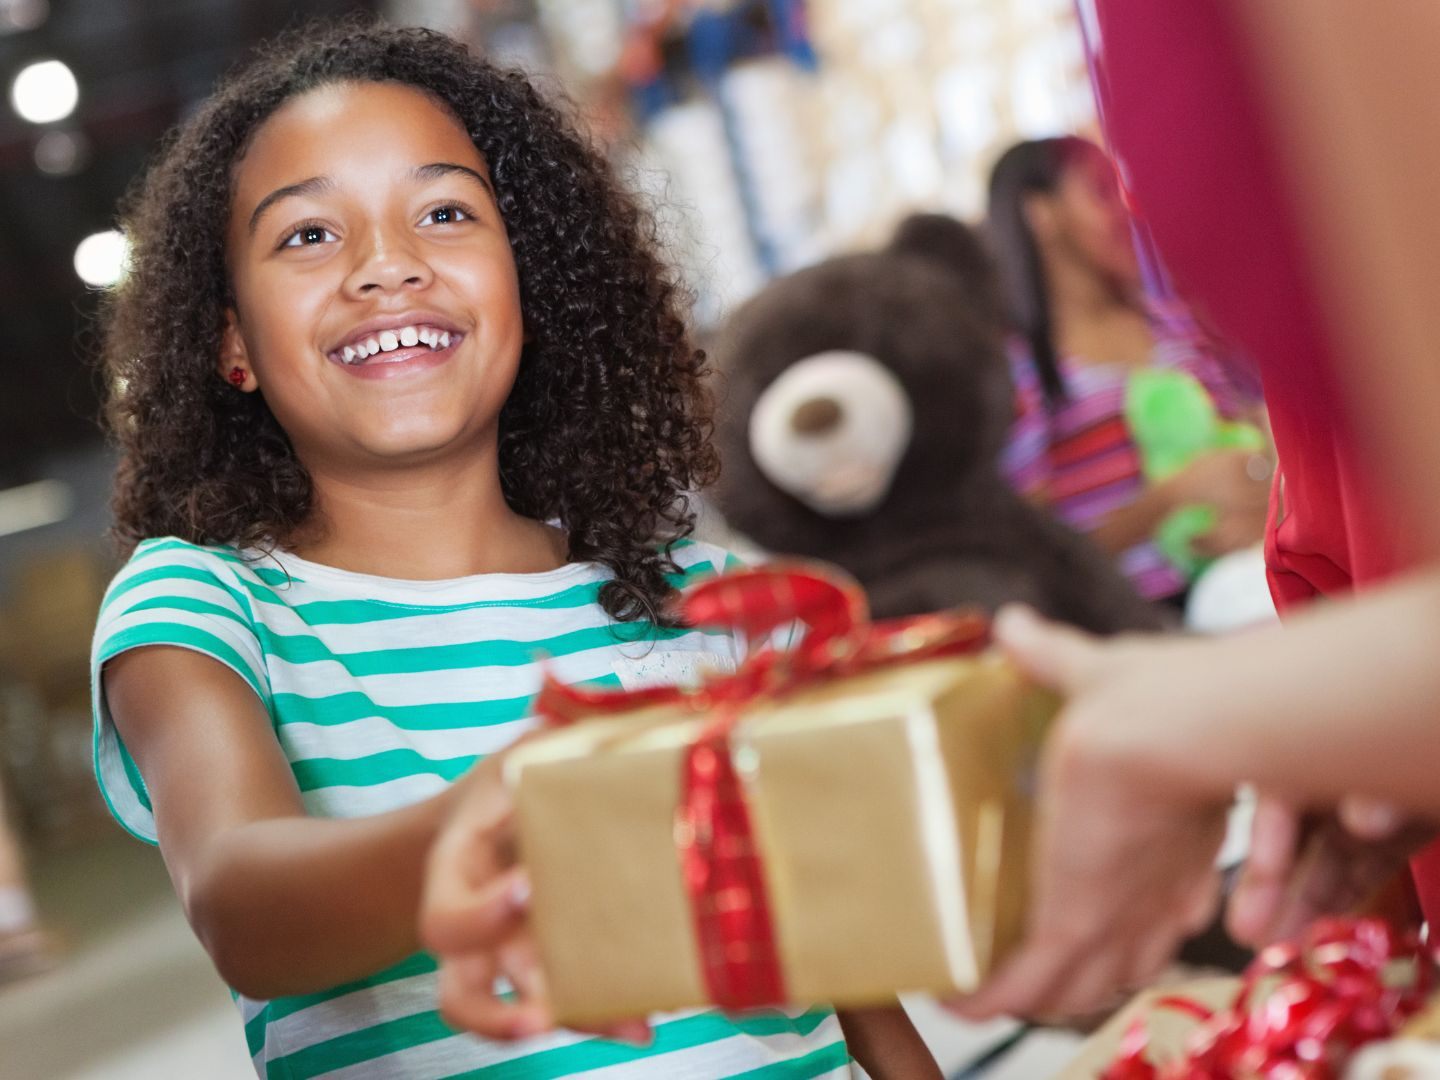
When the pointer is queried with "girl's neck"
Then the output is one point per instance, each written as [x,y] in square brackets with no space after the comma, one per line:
[424,524]
[1095,318]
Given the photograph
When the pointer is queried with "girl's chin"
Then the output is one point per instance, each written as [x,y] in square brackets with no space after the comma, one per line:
[416,447]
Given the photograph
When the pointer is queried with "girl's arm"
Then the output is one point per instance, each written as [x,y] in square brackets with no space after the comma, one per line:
[886,1045]
[284,903]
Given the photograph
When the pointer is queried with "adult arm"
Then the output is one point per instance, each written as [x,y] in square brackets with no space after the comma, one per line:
[1156,735]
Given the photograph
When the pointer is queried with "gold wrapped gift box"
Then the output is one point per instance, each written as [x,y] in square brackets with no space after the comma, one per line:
[891,811]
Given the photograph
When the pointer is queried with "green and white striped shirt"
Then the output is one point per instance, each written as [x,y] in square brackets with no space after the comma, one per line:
[381,692]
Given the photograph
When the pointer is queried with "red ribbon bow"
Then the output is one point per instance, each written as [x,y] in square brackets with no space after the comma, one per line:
[1324,997]
[723,871]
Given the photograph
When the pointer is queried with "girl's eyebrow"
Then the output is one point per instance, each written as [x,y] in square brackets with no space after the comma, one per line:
[312,186]
[437,169]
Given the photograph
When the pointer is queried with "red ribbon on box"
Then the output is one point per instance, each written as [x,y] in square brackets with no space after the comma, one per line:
[1330,996]
[723,872]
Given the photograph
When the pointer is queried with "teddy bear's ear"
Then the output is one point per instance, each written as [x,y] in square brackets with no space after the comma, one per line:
[947,241]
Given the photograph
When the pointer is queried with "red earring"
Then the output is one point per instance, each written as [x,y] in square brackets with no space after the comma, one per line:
[237,377]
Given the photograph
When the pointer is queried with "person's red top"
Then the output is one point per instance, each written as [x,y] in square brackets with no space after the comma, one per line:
[1195,149]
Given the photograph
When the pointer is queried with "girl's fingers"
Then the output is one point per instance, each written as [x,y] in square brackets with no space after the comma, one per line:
[457,917]
[635,1032]
[468,1002]
[519,962]
[632,1032]
[468,995]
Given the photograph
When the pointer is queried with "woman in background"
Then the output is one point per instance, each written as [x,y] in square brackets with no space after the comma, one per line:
[1071,281]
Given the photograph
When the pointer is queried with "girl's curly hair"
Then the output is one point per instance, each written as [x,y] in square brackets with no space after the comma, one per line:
[608,425]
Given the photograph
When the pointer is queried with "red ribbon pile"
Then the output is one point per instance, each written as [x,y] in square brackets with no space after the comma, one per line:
[1302,1009]
[723,872]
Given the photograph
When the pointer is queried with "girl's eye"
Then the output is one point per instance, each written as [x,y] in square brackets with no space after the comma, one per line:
[308,235]
[446,215]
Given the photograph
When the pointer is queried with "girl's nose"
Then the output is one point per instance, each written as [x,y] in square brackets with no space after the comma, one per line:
[388,263]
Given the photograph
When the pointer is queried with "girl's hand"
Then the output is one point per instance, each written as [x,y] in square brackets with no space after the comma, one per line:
[1123,861]
[473,914]
[474,917]
[1237,484]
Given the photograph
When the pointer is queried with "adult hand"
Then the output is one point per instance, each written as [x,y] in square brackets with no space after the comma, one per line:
[1123,860]
[1301,867]
[474,917]
[1236,483]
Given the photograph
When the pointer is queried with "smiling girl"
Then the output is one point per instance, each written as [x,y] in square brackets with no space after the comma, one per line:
[405,401]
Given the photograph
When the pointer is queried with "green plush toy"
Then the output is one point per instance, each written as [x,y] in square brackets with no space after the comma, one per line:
[1173,421]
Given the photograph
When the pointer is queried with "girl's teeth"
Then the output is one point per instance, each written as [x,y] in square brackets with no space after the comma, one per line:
[389,340]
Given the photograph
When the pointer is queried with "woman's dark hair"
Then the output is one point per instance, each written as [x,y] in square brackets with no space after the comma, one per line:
[1029,168]
[608,425]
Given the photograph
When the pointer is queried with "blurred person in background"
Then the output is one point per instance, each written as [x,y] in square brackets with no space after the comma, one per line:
[25,947]
[1082,326]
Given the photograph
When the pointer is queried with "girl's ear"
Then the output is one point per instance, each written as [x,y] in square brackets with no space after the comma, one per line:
[233,364]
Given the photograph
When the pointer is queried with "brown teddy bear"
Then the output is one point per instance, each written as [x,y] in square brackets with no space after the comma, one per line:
[864,407]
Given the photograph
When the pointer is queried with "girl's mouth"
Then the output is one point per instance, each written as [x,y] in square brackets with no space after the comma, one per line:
[394,352]
[395,346]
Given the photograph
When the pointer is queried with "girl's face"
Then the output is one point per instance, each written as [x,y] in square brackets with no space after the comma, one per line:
[377,304]
[1090,218]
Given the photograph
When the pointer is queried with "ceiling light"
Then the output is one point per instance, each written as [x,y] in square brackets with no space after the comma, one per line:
[61,153]
[18,15]
[100,258]
[44,92]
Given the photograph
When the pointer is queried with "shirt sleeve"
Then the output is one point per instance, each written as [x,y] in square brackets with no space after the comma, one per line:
[169,593]
[712,560]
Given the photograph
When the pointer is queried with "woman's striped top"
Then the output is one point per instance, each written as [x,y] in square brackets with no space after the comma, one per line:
[382,692]
[1080,460]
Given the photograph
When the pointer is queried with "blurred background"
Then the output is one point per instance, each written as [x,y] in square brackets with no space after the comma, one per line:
[772,133]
